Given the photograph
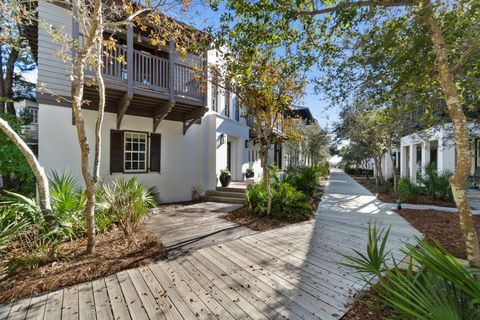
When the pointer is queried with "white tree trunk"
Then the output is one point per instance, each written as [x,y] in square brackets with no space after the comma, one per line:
[39,173]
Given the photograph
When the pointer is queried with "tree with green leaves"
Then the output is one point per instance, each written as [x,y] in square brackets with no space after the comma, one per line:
[444,34]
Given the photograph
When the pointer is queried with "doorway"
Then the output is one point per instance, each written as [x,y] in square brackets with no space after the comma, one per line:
[229,156]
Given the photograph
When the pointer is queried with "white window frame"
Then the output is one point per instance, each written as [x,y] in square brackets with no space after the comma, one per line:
[132,134]
[34,112]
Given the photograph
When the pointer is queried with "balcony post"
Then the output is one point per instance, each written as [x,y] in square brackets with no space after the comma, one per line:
[130,75]
[205,64]
[172,58]
[127,97]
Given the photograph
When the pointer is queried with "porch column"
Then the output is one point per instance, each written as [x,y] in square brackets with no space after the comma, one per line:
[425,155]
[413,163]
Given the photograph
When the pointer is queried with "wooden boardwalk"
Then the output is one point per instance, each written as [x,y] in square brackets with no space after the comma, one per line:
[289,273]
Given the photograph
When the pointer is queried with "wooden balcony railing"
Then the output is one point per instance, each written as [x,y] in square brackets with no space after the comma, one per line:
[150,72]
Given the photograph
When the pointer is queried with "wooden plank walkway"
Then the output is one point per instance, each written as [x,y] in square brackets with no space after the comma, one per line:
[289,273]
[189,228]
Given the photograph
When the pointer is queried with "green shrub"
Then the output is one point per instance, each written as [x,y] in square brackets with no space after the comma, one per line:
[128,201]
[304,179]
[11,224]
[287,202]
[290,204]
[436,184]
[257,198]
[406,189]
[434,284]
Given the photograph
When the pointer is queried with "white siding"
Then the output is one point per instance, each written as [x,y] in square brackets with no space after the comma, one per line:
[52,70]
[181,161]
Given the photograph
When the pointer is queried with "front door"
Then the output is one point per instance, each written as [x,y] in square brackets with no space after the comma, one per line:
[229,156]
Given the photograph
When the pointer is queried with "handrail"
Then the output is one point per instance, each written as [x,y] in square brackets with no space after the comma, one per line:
[150,71]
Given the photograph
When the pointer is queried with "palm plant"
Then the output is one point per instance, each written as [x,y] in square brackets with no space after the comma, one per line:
[128,200]
[435,183]
[434,285]
[10,225]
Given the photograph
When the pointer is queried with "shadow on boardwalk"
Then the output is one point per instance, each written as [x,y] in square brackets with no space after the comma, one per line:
[290,272]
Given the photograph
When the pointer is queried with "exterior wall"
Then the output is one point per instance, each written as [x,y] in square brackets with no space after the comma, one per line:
[439,138]
[223,123]
[181,161]
[52,70]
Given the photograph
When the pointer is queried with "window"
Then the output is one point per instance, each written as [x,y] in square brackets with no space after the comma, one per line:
[135,151]
[34,112]
[227,104]
[237,109]
[214,97]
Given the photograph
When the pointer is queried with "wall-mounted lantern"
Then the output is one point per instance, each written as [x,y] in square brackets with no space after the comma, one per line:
[222,139]
[246,144]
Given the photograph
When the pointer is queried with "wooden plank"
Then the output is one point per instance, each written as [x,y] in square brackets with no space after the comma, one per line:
[54,305]
[19,309]
[70,303]
[221,274]
[117,301]
[227,302]
[160,294]
[266,289]
[36,310]
[134,304]
[185,309]
[203,294]
[148,301]
[102,302]
[86,301]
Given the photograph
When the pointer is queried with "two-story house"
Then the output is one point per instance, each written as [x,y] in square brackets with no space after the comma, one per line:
[159,124]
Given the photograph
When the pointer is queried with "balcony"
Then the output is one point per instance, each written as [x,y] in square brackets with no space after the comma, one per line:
[150,84]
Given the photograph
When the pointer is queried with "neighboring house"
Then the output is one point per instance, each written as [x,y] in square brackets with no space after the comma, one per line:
[299,158]
[387,164]
[30,130]
[435,145]
[225,133]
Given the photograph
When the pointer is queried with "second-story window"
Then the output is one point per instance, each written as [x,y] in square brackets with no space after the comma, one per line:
[34,112]
[214,97]
[237,109]
[227,104]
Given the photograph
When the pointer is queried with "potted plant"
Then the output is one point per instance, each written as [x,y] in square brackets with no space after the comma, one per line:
[249,173]
[225,177]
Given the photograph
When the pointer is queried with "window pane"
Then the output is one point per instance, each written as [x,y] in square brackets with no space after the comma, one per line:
[128,165]
[134,165]
[135,147]
[141,156]
[134,156]
[142,147]
[141,166]
[128,156]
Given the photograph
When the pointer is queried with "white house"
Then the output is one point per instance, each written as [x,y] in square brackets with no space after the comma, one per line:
[435,145]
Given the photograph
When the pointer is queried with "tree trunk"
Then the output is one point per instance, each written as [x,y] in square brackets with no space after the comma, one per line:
[41,178]
[394,171]
[77,101]
[8,82]
[455,109]
[2,88]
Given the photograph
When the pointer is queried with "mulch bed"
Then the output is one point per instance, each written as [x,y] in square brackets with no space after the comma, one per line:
[367,306]
[441,226]
[113,254]
[390,198]
[244,217]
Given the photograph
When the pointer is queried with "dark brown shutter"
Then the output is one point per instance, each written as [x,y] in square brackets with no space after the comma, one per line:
[155,146]
[116,151]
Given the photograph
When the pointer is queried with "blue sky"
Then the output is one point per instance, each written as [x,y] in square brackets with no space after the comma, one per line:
[201,16]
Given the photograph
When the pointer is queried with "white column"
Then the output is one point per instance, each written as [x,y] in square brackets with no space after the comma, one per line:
[413,162]
[425,155]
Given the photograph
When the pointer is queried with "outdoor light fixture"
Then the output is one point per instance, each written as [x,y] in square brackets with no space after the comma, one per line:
[399,204]
[222,139]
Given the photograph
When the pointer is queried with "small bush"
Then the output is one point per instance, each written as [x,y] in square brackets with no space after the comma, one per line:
[305,179]
[128,201]
[290,204]
[406,189]
[287,202]
[257,198]
[436,184]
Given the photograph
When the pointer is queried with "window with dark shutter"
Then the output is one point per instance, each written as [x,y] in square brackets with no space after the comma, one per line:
[155,147]
[116,151]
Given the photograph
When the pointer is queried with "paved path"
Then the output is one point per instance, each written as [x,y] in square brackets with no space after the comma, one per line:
[189,228]
[285,273]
